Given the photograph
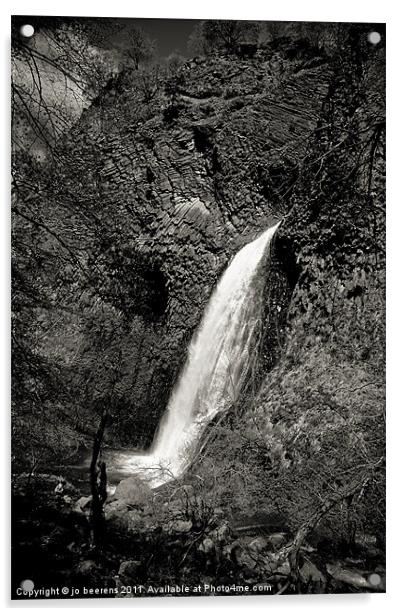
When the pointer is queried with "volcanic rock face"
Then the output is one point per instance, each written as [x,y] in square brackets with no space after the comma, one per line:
[195,178]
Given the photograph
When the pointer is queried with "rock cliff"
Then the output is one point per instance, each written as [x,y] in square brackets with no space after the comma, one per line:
[189,178]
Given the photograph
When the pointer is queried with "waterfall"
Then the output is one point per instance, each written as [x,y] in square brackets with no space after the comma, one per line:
[218,363]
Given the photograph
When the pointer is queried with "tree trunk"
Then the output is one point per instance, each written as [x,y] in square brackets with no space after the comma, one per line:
[98,492]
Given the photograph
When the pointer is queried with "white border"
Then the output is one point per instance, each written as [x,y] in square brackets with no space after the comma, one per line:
[303,10]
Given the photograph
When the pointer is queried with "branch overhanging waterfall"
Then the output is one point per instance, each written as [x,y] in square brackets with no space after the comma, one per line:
[216,368]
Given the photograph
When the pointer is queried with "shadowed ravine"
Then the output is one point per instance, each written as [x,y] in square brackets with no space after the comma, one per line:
[219,359]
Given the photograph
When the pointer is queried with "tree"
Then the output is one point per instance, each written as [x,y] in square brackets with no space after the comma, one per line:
[197,45]
[148,82]
[222,35]
[174,61]
[139,47]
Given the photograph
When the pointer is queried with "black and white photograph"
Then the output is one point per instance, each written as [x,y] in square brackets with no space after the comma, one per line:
[197,307]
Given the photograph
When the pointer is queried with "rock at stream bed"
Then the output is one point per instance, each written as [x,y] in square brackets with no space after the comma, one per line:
[83,504]
[310,573]
[133,491]
[351,577]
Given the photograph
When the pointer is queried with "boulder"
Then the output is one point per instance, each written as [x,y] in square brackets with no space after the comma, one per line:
[187,490]
[272,564]
[207,546]
[133,491]
[129,521]
[276,541]
[85,567]
[310,573]
[179,526]
[283,569]
[114,509]
[83,504]
[351,577]
[135,520]
[128,569]
[259,544]
[241,556]
[222,532]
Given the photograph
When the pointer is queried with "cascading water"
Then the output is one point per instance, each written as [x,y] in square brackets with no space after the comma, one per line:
[218,362]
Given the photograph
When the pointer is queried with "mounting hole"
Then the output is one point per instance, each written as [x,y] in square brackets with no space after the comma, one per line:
[27,585]
[374,37]
[374,579]
[27,30]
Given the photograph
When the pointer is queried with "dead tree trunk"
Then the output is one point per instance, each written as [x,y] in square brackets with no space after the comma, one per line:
[291,551]
[98,490]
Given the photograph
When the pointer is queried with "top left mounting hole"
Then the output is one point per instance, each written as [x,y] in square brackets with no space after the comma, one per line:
[27,31]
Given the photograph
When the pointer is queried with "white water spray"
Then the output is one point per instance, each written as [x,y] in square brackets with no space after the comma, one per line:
[218,363]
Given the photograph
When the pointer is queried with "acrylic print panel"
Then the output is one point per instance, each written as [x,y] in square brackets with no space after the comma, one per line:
[198,234]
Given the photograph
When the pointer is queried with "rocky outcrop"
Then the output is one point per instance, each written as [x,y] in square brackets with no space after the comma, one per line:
[188,192]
